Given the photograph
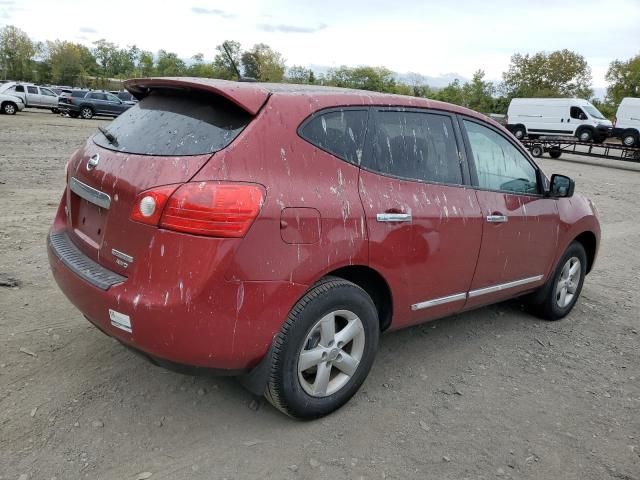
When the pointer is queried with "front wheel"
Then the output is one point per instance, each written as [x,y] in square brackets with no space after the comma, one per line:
[585,135]
[630,139]
[559,295]
[324,351]
[9,108]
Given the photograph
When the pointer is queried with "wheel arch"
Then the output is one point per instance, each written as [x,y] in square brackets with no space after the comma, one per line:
[589,242]
[374,284]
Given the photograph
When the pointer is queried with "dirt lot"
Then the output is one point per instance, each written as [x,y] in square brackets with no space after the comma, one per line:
[492,393]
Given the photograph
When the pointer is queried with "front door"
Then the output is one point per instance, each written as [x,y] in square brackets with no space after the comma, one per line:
[424,224]
[49,99]
[520,225]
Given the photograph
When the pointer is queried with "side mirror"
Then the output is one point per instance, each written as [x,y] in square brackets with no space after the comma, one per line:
[561,186]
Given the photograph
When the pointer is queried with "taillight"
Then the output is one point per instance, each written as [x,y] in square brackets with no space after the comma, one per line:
[203,208]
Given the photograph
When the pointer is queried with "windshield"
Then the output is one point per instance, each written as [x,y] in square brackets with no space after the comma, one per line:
[174,124]
[593,111]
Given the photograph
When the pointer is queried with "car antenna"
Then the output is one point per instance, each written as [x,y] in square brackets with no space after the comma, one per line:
[235,67]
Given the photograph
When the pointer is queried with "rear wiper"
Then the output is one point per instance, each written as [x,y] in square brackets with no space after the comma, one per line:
[109,136]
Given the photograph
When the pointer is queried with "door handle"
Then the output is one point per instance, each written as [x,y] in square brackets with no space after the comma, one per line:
[393,217]
[497,218]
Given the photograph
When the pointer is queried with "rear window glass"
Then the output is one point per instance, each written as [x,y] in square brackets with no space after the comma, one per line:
[171,124]
[416,146]
[338,132]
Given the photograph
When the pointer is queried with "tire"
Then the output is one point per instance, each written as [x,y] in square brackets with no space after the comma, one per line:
[555,153]
[297,388]
[537,151]
[550,302]
[630,138]
[585,135]
[86,113]
[519,132]
[9,108]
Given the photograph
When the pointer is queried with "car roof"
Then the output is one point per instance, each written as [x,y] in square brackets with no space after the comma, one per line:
[252,95]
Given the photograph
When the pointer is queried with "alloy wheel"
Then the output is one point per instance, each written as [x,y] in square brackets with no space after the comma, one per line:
[568,282]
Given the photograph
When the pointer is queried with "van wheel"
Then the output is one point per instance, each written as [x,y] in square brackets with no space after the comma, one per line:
[585,135]
[519,132]
[86,113]
[9,108]
[324,351]
[630,138]
[557,297]
[537,151]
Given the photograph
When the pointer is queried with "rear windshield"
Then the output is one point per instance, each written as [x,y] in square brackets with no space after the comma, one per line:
[173,124]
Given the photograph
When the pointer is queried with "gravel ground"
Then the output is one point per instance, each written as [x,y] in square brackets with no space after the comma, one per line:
[491,393]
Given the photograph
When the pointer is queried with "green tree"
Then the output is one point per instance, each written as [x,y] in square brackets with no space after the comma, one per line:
[16,54]
[222,66]
[199,68]
[478,93]
[562,73]
[145,65]
[298,74]
[106,54]
[70,62]
[263,63]
[452,93]
[377,79]
[169,64]
[624,79]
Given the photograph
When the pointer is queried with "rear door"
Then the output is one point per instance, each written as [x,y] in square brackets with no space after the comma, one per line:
[98,101]
[424,224]
[520,225]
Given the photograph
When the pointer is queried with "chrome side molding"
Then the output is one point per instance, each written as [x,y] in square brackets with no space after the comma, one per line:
[474,293]
[90,194]
[393,217]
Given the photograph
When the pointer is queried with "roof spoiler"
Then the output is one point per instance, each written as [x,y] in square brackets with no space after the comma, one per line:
[248,96]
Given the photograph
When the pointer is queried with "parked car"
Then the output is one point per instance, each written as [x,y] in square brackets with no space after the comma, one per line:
[274,231]
[86,104]
[125,96]
[561,117]
[627,122]
[33,96]
[10,105]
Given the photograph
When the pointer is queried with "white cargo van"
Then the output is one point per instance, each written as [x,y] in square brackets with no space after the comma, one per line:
[571,117]
[627,123]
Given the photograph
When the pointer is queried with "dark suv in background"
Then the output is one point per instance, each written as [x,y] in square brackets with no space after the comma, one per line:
[86,104]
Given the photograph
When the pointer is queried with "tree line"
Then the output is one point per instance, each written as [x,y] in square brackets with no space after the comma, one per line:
[561,73]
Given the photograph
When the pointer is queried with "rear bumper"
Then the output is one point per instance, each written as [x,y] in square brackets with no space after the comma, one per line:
[227,326]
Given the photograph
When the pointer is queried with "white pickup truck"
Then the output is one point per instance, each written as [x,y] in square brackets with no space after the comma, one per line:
[33,96]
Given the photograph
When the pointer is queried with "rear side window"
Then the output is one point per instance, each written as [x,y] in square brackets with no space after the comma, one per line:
[19,88]
[416,146]
[339,132]
[79,93]
[169,124]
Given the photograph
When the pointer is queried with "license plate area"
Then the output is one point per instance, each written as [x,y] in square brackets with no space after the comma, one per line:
[88,220]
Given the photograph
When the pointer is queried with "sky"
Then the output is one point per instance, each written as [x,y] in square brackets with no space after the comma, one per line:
[433,38]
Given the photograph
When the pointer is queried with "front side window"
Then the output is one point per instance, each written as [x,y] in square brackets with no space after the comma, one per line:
[112,98]
[415,146]
[47,92]
[577,113]
[19,88]
[339,132]
[499,164]
[97,96]
[594,112]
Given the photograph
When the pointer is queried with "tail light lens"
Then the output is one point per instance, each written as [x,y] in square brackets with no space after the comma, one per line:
[204,208]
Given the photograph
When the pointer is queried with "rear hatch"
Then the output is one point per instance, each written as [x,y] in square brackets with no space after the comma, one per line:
[163,140]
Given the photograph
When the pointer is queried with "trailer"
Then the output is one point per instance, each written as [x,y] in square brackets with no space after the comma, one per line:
[556,147]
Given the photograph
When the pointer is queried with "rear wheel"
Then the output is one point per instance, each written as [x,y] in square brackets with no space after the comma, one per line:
[324,351]
[9,108]
[558,296]
[86,113]
[630,138]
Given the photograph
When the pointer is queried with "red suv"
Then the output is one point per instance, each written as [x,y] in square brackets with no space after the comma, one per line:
[274,231]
